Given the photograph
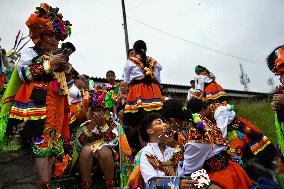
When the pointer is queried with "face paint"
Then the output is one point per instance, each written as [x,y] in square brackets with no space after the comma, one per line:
[158,125]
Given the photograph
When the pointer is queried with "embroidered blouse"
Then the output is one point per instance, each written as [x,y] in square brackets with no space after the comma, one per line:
[29,70]
[201,146]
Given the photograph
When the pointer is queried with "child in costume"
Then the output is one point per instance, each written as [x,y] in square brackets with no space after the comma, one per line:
[142,74]
[77,111]
[248,145]
[158,158]
[39,104]
[207,88]
[95,139]
[205,147]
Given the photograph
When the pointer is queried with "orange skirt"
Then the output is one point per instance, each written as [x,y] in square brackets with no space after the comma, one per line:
[23,107]
[146,96]
[213,91]
[234,177]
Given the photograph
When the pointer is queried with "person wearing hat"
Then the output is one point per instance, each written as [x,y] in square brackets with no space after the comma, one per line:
[275,62]
[39,110]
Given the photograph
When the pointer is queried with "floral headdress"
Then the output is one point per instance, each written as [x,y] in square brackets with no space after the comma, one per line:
[47,20]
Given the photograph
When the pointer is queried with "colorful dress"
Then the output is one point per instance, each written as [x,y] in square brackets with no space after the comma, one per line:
[144,91]
[211,91]
[76,109]
[40,106]
[207,150]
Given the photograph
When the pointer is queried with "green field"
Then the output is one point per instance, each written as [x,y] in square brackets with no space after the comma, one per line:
[259,113]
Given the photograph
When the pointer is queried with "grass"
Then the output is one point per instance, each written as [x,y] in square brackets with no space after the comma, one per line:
[259,113]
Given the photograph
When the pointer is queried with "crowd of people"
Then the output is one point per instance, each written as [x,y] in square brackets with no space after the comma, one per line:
[127,130]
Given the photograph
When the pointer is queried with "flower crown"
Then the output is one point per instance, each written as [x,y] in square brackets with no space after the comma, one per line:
[47,20]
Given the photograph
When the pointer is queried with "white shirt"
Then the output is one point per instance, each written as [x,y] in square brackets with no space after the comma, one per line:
[201,79]
[75,94]
[26,59]
[190,93]
[146,169]
[195,154]
[134,72]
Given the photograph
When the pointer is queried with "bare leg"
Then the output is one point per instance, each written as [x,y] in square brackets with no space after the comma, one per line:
[107,166]
[42,169]
[86,163]
[50,166]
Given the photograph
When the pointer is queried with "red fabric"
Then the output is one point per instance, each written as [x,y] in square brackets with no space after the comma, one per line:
[234,177]
[65,132]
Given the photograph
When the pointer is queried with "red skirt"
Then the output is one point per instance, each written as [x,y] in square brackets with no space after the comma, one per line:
[234,177]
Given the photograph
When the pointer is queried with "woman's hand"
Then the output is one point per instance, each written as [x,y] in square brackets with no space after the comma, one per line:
[167,140]
[58,61]
[187,184]
[277,101]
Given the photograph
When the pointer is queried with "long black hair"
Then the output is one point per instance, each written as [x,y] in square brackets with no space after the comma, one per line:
[174,108]
[141,48]
[195,105]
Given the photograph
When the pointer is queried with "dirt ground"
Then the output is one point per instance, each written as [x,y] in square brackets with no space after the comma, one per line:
[17,170]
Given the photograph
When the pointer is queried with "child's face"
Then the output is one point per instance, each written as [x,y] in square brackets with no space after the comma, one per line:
[110,77]
[158,126]
[123,87]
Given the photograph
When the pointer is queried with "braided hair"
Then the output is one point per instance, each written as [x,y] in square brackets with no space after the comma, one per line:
[141,48]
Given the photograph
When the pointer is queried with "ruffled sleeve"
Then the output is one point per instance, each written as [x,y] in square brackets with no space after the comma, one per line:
[224,117]
[127,70]
[157,72]
[30,71]
[195,155]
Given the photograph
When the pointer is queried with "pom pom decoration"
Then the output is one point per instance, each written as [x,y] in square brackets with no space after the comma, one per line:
[230,107]
[199,123]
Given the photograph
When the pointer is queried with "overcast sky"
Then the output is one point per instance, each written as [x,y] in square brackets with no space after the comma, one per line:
[180,34]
